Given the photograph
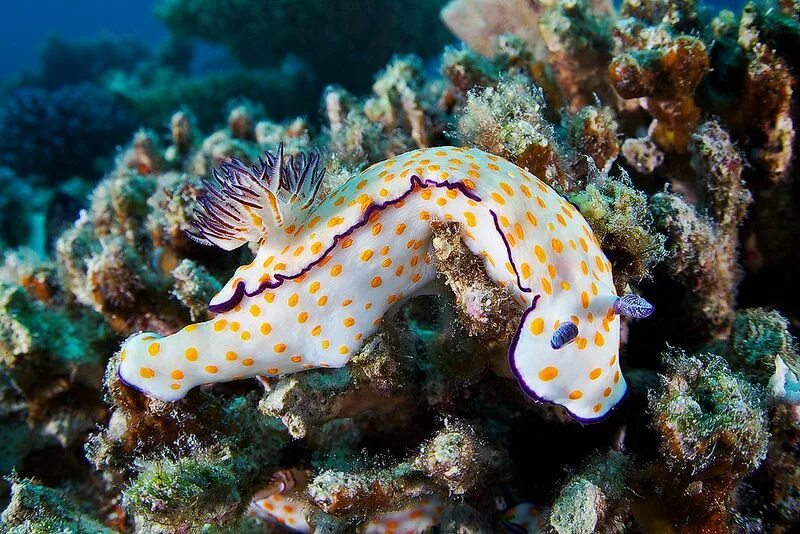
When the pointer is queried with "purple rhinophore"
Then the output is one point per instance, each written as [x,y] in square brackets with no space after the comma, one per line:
[634,306]
[566,333]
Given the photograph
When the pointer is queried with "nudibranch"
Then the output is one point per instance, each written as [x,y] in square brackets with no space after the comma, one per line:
[291,512]
[328,271]
[284,501]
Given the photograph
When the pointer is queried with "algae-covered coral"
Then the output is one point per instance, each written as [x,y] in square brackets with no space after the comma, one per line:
[667,128]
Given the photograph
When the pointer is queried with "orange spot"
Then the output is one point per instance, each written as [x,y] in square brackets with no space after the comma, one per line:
[231,356]
[211,369]
[153,349]
[220,325]
[537,326]
[575,395]
[293,300]
[279,347]
[557,245]
[600,265]
[146,372]
[599,340]
[607,392]
[266,328]
[540,254]
[296,359]
[348,322]
[548,373]
[191,354]
[336,270]
[302,317]
[595,374]
[546,286]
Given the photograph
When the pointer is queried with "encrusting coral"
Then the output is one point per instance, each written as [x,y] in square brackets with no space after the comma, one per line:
[704,246]
[645,151]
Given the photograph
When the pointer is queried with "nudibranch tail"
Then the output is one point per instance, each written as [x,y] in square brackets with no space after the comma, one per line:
[326,273]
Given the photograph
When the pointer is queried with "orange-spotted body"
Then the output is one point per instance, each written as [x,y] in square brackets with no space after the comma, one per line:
[285,509]
[291,511]
[421,516]
[526,518]
[326,274]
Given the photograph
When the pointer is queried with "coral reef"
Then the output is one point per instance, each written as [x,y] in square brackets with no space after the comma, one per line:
[703,246]
[60,133]
[259,33]
[668,128]
[713,428]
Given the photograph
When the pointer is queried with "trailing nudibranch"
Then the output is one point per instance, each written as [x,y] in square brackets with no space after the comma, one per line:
[327,272]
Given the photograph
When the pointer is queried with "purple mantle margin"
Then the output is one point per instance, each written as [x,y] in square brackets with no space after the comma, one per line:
[240,291]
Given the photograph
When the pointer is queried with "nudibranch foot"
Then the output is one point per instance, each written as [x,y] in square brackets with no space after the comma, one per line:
[329,270]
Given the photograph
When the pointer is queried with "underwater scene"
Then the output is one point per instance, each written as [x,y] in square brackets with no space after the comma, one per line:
[381,266]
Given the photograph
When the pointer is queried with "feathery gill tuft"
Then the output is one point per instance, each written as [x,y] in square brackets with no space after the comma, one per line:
[247,201]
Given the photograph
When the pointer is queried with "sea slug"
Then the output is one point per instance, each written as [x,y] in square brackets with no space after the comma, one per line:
[327,272]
